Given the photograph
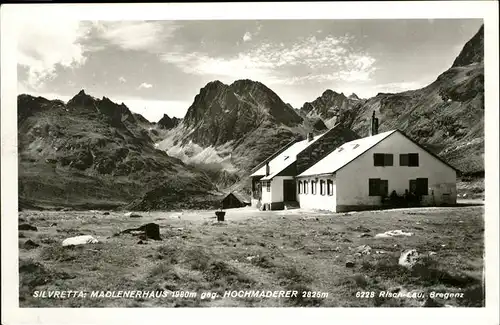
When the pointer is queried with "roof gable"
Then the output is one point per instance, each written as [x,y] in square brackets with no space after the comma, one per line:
[285,158]
[350,151]
[345,154]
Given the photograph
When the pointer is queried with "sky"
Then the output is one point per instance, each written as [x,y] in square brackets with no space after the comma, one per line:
[158,67]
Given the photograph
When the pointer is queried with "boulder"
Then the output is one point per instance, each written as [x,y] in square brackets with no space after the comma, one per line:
[79,240]
[409,258]
[29,244]
[361,229]
[149,230]
[25,226]
[394,233]
[364,249]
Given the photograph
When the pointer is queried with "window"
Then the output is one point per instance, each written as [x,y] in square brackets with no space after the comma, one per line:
[322,187]
[383,159]
[329,187]
[378,187]
[413,159]
[409,159]
[306,187]
[268,186]
[313,187]
[419,186]
[300,187]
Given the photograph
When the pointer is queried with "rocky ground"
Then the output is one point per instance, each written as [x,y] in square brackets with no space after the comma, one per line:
[338,257]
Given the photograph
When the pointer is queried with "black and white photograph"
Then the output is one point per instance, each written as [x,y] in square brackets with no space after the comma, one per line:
[245,161]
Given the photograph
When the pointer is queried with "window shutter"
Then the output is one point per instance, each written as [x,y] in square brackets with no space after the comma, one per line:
[403,160]
[384,187]
[378,159]
[413,159]
[373,186]
[388,159]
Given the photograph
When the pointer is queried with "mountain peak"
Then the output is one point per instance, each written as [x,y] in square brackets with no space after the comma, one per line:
[81,98]
[353,96]
[473,50]
[167,123]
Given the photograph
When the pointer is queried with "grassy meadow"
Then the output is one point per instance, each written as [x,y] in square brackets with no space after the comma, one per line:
[335,256]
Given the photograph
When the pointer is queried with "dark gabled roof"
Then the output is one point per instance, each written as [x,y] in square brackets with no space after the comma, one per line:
[240,196]
[271,157]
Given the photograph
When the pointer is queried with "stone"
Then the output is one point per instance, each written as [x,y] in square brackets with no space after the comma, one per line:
[29,244]
[135,215]
[106,213]
[149,230]
[25,226]
[409,258]
[349,264]
[79,240]
[364,249]
[394,233]
[364,235]
[361,229]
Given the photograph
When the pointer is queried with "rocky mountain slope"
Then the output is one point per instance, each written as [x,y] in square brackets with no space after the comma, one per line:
[91,153]
[231,128]
[167,123]
[332,108]
[446,116]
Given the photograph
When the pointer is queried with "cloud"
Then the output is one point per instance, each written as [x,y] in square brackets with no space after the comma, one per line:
[145,85]
[247,37]
[45,43]
[307,59]
[122,79]
[135,35]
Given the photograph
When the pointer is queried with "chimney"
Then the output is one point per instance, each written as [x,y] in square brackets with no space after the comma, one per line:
[267,169]
[374,125]
[310,137]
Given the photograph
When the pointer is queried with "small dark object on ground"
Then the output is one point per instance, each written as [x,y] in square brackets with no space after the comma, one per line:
[106,213]
[26,226]
[361,229]
[53,224]
[29,244]
[140,242]
[21,235]
[349,264]
[21,219]
[220,215]
[365,235]
[135,215]
[151,230]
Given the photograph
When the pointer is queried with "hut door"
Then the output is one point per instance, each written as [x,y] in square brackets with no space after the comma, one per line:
[289,190]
